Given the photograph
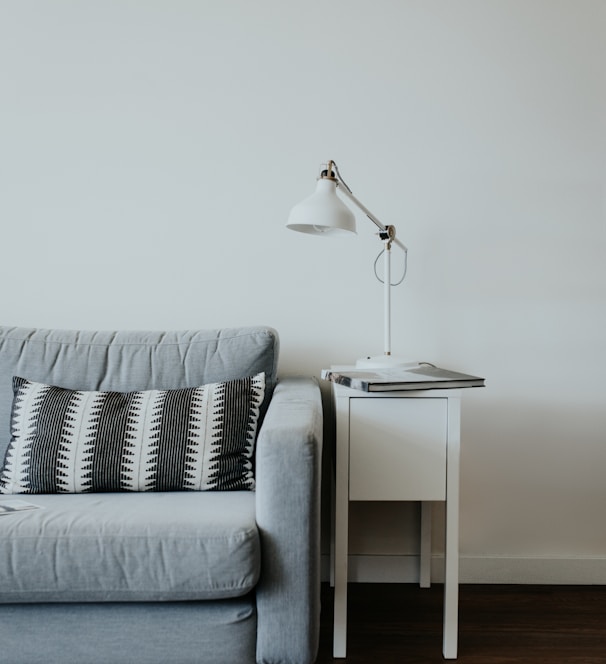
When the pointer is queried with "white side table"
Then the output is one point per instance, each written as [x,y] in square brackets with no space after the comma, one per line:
[401,446]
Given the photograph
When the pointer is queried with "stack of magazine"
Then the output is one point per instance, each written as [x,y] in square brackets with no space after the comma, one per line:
[412,376]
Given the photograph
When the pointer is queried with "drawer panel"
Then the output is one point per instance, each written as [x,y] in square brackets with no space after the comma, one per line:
[398,448]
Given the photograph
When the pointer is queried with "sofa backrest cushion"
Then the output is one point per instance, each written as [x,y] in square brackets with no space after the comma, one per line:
[125,361]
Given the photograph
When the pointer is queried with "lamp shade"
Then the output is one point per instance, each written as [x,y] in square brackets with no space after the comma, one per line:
[322,213]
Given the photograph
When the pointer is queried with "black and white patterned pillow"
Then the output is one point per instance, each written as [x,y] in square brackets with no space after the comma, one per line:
[73,441]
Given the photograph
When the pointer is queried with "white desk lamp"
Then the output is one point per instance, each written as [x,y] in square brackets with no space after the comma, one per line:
[323,213]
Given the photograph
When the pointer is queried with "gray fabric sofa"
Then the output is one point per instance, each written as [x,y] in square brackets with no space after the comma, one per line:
[166,577]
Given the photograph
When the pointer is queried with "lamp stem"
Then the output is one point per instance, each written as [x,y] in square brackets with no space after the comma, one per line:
[387,298]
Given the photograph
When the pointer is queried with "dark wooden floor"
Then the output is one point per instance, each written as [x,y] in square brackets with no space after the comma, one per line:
[402,624]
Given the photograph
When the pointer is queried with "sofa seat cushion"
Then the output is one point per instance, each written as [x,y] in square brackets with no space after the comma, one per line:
[130,547]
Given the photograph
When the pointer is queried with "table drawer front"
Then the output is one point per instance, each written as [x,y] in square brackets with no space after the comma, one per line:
[398,448]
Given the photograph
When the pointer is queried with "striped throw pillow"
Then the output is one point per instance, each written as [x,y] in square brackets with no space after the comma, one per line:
[74,441]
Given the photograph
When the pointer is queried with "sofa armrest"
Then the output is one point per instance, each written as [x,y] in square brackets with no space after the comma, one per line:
[288,470]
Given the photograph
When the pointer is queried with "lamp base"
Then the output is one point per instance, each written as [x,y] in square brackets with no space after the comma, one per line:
[384,362]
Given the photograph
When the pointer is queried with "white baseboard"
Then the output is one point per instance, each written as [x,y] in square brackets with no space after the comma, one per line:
[584,570]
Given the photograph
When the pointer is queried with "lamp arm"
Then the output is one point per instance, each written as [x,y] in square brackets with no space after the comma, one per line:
[362,207]
[382,227]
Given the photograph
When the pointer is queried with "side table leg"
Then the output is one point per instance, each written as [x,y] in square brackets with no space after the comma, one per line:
[341,529]
[340,577]
[340,619]
[451,584]
[425,548]
[451,557]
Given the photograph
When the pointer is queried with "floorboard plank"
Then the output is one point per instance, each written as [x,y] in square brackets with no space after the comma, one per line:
[499,624]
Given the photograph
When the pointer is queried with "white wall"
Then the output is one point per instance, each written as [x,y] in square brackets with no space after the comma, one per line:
[150,152]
